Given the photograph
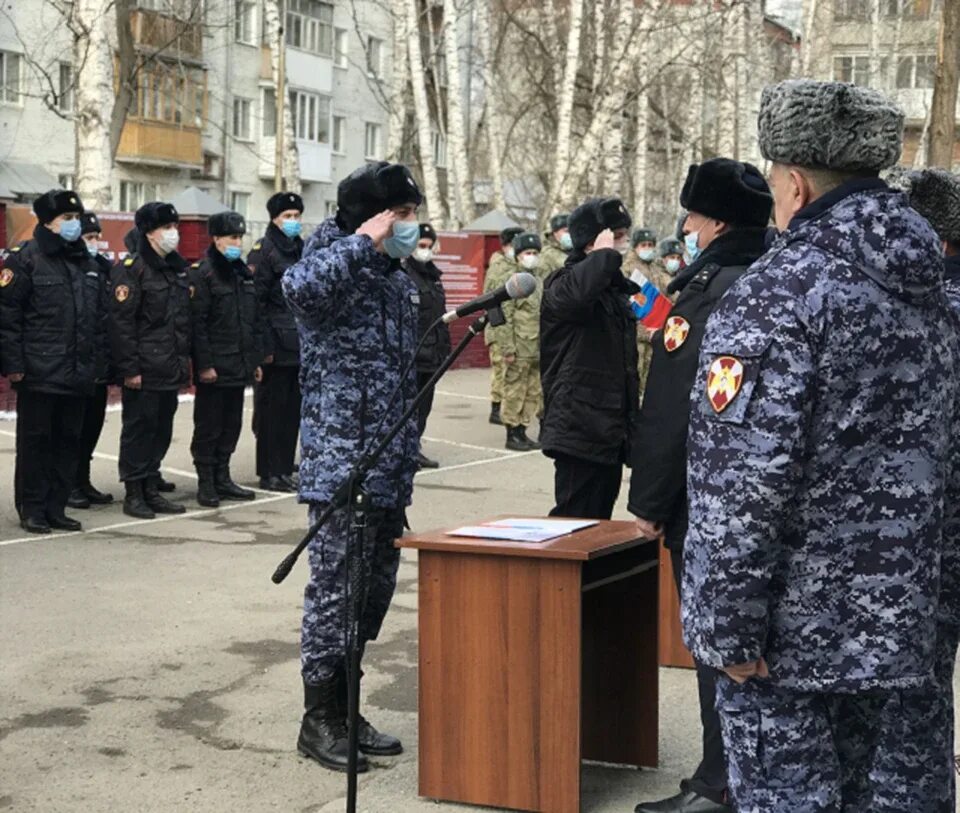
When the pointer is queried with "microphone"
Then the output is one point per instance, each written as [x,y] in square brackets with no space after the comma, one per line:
[519,286]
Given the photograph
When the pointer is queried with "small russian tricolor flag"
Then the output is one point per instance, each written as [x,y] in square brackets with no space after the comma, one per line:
[650,307]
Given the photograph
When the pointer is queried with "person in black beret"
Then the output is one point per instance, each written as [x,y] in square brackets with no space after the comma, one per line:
[227,353]
[501,266]
[728,207]
[432,338]
[276,415]
[588,362]
[51,347]
[149,321]
[357,314]
[84,494]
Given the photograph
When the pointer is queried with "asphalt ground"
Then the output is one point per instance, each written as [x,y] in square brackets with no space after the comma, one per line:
[153,666]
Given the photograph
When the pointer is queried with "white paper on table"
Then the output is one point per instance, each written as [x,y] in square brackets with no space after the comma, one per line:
[524,530]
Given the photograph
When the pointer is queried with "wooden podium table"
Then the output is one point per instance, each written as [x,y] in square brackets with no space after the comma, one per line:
[534,657]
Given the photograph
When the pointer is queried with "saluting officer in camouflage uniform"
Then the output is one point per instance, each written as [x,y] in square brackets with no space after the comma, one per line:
[502,265]
[824,474]
[227,352]
[519,342]
[556,245]
[149,321]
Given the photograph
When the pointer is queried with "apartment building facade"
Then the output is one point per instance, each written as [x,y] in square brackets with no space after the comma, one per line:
[204,113]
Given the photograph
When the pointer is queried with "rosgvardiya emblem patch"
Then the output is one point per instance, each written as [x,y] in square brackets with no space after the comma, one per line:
[724,380]
[122,293]
[675,333]
[6,277]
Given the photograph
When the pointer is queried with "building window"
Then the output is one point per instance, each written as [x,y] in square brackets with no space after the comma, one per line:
[856,69]
[133,194]
[170,93]
[11,66]
[916,72]
[371,141]
[339,134]
[340,40]
[269,116]
[907,9]
[852,10]
[374,56]
[310,116]
[65,90]
[329,208]
[240,203]
[65,181]
[242,108]
[310,26]
[439,149]
[245,24]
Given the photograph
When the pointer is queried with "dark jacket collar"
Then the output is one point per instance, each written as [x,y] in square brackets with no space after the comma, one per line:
[832,198]
[291,246]
[172,262]
[426,269]
[53,245]
[229,268]
[951,267]
[737,247]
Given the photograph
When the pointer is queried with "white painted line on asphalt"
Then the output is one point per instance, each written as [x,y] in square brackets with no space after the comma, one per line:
[451,394]
[136,522]
[503,452]
[501,458]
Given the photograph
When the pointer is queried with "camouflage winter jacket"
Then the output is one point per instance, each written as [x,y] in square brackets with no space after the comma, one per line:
[824,468]
[356,313]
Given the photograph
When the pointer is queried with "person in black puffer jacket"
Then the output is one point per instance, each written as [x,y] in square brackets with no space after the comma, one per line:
[227,352]
[433,304]
[276,415]
[149,321]
[51,347]
[588,363]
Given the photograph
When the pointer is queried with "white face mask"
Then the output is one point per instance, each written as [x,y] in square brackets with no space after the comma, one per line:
[169,240]
[646,254]
[673,266]
[530,261]
[423,255]
[508,253]
[623,246]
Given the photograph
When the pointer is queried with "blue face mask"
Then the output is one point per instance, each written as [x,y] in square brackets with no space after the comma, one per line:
[70,230]
[566,241]
[292,228]
[403,241]
[92,249]
[690,241]
[232,253]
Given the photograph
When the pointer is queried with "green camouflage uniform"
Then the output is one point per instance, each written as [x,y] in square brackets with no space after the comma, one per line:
[520,338]
[657,273]
[552,257]
[498,272]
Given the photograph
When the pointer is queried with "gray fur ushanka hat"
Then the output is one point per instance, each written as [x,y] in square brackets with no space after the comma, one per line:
[935,194]
[829,125]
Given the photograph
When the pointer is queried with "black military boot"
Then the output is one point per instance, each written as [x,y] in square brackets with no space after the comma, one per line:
[78,499]
[94,495]
[165,486]
[157,502]
[226,488]
[323,732]
[425,462]
[206,487]
[134,505]
[530,442]
[495,413]
[515,441]
[369,739]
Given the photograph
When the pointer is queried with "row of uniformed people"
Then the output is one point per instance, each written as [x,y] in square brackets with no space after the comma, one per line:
[70,325]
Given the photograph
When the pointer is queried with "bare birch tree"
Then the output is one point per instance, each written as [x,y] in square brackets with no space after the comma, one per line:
[561,164]
[457,143]
[290,159]
[399,79]
[492,109]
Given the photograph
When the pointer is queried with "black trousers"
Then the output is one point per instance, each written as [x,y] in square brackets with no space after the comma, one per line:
[277,420]
[94,410]
[48,447]
[146,433]
[585,489]
[217,418]
[427,403]
[710,778]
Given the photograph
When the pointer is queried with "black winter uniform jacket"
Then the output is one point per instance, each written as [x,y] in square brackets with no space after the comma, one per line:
[588,359]
[658,486]
[226,320]
[270,257]
[52,316]
[433,304]
[150,319]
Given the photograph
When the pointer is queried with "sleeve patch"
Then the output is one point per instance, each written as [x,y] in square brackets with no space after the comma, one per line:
[6,276]
[121,293]
[724,379]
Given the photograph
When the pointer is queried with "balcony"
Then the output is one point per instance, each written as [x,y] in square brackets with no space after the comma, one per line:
[158,32]
[160,144]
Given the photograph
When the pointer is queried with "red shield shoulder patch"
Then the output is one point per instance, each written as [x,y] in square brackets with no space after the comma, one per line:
[724,380]
[675,333]
[122,293]
[6,277]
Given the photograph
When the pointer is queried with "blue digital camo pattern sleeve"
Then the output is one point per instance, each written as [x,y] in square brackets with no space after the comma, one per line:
[817,488]
[356,316]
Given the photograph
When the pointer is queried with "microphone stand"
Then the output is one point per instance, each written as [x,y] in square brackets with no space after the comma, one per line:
[350,493]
